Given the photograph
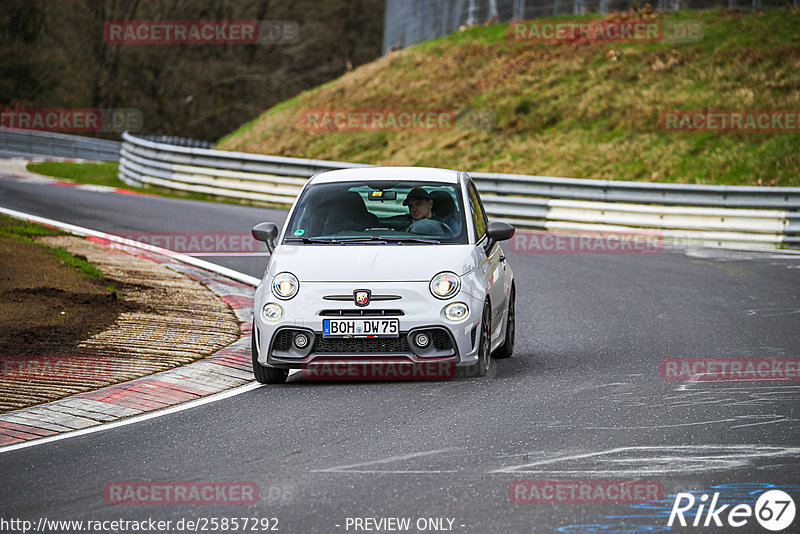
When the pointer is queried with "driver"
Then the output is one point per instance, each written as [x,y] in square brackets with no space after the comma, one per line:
[420,207]
[420,204]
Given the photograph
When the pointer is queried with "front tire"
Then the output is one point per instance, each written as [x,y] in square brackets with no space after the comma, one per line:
[484,345]
[264,374]
[507,348]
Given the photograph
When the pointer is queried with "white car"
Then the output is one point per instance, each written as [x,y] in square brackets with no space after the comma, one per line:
[384,265]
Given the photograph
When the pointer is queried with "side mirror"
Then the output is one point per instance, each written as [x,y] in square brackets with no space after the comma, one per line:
[499,231]
[266,232]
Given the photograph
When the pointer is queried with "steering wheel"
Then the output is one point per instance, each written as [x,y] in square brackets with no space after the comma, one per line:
[429,227]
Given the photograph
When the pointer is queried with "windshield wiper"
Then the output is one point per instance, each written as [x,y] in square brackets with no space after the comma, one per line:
[411,240]
[334,240]
[363,239]
[388,239]
[360,239]
[310,240]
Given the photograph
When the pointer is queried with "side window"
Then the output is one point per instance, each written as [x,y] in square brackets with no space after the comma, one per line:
[478,216]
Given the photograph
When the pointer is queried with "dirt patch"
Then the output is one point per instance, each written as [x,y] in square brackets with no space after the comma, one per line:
[158,319]
[48,307]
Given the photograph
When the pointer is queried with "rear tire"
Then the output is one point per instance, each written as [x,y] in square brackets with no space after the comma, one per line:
[264,374]
[507,348]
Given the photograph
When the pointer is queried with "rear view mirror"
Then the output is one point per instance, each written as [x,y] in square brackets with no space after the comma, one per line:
[499,231]
[382,195]
[266,232]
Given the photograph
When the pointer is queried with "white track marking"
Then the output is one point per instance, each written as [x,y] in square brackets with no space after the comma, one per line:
[675,425]
[183,258]
[381,472]
[655,460]
[352,468]
[727,254]
[227,254]
[773,419]
[783,420]
[134,419]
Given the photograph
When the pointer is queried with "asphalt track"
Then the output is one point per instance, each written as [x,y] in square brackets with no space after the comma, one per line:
[582,399]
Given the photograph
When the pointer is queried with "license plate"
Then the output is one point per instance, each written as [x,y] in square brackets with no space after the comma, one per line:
[360,328]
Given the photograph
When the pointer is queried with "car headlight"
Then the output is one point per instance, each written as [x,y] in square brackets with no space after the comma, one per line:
[457,311]
[272,312]
[285,286]
[445,285]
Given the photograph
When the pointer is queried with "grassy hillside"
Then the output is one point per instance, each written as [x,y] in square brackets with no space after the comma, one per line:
[578,109]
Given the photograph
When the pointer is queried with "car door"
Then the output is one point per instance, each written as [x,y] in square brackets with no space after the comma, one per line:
[493,261]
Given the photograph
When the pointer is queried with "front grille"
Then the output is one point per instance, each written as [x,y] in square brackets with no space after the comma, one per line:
[351,297]
[361,313]
[441,344]
[361,345]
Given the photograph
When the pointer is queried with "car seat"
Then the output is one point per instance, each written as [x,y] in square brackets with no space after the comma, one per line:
[445,208]
[348,213]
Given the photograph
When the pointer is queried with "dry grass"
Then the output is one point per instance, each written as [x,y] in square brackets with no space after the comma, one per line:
[588,110]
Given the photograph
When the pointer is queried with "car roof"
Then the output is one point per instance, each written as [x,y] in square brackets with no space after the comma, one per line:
[420,174]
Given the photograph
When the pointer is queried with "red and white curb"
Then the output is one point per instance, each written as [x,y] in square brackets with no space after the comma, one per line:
[15,168]
[97,188]
[226,373]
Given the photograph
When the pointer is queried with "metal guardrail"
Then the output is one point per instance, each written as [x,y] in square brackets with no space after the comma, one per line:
[30,143]
[178,140]
[760,217]
[720,196]
[239,175]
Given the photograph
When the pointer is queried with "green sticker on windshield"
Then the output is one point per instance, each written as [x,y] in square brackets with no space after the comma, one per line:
[299,232]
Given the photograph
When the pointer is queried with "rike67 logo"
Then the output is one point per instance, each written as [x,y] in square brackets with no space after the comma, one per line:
[774,510]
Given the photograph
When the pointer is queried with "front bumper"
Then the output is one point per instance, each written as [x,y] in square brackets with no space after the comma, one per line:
[411,303]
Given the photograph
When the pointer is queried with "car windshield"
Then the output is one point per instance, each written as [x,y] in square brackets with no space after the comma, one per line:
[380,212]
